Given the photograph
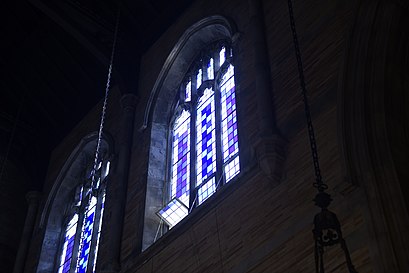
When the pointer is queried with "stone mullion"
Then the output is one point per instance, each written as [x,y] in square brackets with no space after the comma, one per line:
[61,240]
[267,124]
[218,119]
[33,199]
[205,62]
[269,145]
[193,138]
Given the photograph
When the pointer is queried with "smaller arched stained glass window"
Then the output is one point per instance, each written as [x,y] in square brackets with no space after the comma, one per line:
[204,136]
[84,222]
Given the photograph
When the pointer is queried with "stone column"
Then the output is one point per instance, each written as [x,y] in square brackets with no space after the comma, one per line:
[33,198]
[264,97]
[270,145]
[117,197]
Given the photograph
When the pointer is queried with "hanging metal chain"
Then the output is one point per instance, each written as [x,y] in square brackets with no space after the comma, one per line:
[91,188]
[104,106]
[327,228]
[319,184]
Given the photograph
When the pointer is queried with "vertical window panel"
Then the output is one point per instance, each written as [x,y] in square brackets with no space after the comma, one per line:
[230,145]
[78,195]
[68,245]
[199,78]
[86,237]
[205,137]
[181,158]
[229,118]
[222,55]
[99,231]
[188,92]
[227,76]
[210,69]
[105,170]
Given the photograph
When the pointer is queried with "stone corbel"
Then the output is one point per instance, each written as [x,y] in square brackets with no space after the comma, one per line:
[270,155]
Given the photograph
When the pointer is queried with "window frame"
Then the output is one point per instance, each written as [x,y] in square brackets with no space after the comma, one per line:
[210,51]
[99,192]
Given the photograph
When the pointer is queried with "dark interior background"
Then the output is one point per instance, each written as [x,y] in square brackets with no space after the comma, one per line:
[54,61]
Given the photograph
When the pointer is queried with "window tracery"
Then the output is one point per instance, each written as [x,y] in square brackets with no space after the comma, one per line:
[204,137]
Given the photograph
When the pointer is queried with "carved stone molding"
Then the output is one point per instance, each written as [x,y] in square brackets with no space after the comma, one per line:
[270,154]
[377,47]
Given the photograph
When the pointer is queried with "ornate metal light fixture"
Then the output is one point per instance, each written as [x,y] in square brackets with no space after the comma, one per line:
[327,228]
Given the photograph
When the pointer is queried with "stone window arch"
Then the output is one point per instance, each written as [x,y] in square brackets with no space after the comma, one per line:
[72,217]
[186,68]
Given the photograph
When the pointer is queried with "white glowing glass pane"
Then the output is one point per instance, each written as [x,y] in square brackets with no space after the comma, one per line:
[173,212]
[227,76]
[78,197]
[180,177]
[230,145]
[105,170]
[210,69]
[66,255]
[188,91]
[199,78]
[86,236]
[99,232]
[232,169]
[98,182]
[222,55]
[205,137]
[206,190]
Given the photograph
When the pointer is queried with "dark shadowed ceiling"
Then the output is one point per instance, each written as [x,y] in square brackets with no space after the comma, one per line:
[54,59]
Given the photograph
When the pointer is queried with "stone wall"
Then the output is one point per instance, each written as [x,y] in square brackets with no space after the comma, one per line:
[259,225]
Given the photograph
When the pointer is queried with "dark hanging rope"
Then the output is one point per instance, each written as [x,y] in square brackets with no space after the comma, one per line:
[104,106]
[319,184]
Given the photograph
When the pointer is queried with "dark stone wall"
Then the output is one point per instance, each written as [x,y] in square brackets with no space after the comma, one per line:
[13,187]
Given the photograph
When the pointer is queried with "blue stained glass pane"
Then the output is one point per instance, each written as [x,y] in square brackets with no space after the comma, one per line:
[181,158]
[230,145]
[86,237]
[206,140]
[229,119]
[66,255]
[99,233]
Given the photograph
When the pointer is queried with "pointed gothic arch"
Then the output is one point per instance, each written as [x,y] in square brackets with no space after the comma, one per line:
[53,218]
[158,112]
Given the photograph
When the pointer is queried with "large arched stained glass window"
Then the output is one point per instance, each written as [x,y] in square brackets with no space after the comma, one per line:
[204,153]
[79,247]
